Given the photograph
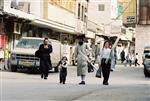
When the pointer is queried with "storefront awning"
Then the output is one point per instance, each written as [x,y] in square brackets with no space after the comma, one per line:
[53,25]
[90,35]
[19,14]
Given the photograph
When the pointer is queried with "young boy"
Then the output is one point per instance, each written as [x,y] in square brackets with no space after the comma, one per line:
[136,59]
[63,69]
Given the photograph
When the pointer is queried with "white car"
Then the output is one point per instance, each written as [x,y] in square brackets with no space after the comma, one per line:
[23,55]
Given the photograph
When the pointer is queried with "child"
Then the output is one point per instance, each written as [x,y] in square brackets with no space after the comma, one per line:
[136,59]
[63,69]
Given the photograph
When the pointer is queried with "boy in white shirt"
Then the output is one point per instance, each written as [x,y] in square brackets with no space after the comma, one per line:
[136,59]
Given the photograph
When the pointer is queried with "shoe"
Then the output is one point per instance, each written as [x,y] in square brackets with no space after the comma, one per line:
[105,83]
[63,82]
[82,83]
[45,78]
[42,76]
[111,70]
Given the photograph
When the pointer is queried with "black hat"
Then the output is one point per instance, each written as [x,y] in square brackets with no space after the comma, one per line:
[81,36]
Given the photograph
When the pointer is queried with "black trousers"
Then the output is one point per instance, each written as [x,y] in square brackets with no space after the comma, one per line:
[105,70]
[136,62]
[44,68]
[63,75]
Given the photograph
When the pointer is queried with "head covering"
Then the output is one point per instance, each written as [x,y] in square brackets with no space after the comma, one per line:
[81,36]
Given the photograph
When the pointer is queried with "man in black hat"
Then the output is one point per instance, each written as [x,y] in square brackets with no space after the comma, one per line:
[45,61]
[80,53]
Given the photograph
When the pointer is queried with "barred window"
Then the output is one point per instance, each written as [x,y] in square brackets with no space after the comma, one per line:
[82,18]
[79,11]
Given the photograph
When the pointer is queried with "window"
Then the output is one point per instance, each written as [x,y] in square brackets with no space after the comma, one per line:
[85,18]
[144,9]
[79,11]
[85,15]
[29,43]
[82,18]
[101,7]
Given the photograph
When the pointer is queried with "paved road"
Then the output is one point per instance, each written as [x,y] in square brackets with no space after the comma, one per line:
[126,84]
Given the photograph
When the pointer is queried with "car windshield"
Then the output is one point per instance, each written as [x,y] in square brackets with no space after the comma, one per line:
[147,56]
[29,43]
[146,51]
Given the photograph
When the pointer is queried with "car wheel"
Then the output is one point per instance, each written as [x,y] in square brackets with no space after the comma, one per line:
[13,68]
[146,73]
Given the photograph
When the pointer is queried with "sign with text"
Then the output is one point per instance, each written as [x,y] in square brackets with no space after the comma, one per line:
[131,19]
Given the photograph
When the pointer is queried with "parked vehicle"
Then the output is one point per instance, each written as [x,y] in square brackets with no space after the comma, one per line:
[147,65]
[146,51]
[146,61]
[23,55]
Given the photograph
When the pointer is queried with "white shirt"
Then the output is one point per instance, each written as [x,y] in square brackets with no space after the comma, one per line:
[64,64]
[136,57]
[1,54]
[105,53]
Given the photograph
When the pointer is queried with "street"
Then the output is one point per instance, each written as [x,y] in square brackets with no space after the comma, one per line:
[58,33]
[125,84]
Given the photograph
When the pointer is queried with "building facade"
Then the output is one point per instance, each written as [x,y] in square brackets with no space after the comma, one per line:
[57,19]
[14,15]
[26,18]
[142,27]
[129,13]
[81,16]
[104,13]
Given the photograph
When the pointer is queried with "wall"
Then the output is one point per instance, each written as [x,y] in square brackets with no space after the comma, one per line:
[57,14]
[60,15]
[142,30]
[130,12]
[99,16]
[20,8]
[69,5]
[142,39]
[103,17]
[37,8]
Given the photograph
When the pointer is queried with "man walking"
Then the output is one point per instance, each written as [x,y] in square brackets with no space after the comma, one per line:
[45,61]
[80,54]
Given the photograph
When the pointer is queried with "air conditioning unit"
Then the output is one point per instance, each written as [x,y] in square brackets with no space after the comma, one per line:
[17,28]
[14,4]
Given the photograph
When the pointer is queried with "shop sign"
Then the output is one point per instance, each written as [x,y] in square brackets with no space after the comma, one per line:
[131,19]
